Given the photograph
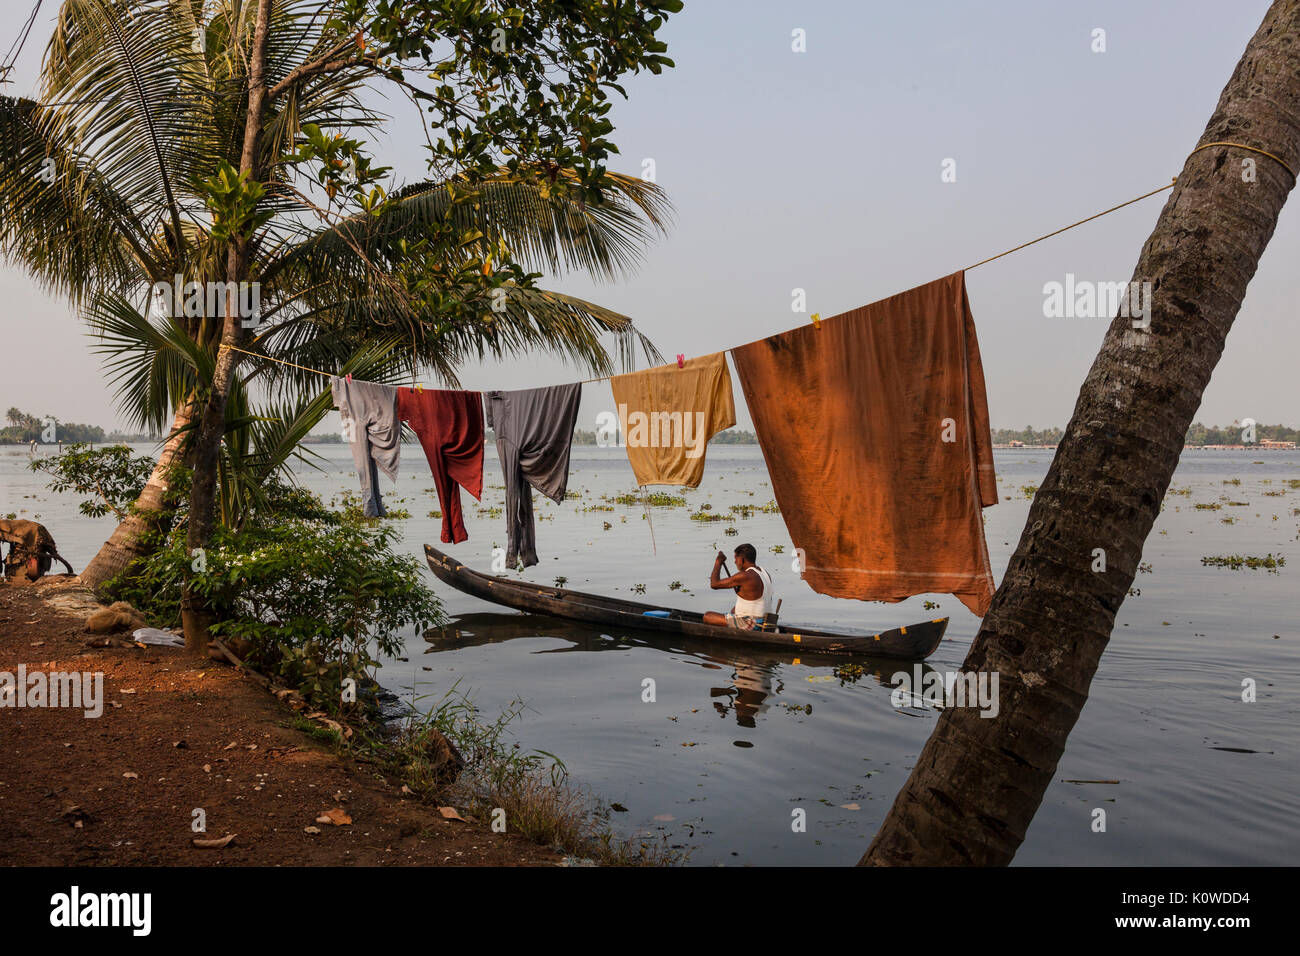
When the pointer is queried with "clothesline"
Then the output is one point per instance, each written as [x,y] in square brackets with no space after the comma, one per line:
[1023,245]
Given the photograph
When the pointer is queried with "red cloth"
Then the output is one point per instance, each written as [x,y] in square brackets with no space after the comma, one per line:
[449,425]
[875,429]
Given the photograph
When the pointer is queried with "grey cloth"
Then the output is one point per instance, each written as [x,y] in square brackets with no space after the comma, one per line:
[534,432]
[369,413]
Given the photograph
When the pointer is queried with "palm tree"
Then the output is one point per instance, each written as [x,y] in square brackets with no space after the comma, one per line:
[111,184]
[978,781]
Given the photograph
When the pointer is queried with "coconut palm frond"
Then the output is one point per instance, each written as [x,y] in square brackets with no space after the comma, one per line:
[155,365]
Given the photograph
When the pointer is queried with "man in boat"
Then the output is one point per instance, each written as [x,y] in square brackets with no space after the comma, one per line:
[753,587]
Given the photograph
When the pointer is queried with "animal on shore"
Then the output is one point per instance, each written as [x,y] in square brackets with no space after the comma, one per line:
[31,551]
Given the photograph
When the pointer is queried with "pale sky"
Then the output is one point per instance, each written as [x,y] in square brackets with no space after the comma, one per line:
[821,170]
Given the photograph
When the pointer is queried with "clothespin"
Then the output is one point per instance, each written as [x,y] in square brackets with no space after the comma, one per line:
[681,361]
[817,320]
[419,388]
[349,378]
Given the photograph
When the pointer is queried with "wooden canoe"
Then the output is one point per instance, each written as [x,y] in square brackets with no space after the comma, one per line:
[914,642]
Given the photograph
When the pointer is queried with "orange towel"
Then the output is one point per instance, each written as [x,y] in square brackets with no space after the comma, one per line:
[875,429]
[667,415]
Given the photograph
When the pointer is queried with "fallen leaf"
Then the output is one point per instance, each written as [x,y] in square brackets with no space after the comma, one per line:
[311,829]
[213,844]
[338,817]
[450,813]
[131,776]
[665,817]
[849,806]
[230,746]
[129,690]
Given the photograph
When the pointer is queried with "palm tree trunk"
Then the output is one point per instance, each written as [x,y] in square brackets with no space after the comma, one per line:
[195,616]
[978,781]
[127,541]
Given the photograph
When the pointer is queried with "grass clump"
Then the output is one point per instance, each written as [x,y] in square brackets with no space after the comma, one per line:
[531,787]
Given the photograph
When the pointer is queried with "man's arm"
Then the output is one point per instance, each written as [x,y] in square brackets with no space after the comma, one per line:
[722,584]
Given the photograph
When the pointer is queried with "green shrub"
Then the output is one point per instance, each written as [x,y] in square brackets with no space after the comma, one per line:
[311,594]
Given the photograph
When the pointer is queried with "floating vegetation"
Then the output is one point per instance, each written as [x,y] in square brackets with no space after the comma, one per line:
[741,511]
[638,589]
[707,516]
[675,586]
[1144,567]
[930,605]
[1185,492]
[1269,562]
[1238,504]
[1227,521]
[492,511]
[1029,490]
[570,495]
[771,508]
[596,508]
[607,525]
[730,532]
[849,673]
[777,549]
[662,499]
[1134,592]
[1232,481]
[1208,506]
[655,499]
[435,514]
[1275,494]
[561,581]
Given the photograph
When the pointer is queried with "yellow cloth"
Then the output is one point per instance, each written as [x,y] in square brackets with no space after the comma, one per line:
[666,415]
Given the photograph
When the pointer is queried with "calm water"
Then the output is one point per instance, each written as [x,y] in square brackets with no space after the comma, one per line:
[738,739]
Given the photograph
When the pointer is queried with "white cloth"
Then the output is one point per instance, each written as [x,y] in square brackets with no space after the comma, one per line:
[758,607]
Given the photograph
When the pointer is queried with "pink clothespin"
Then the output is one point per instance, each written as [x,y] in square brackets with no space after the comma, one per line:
[817,320]
[349,378]
[681,361]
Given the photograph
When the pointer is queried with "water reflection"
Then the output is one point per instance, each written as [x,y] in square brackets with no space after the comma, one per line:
[755,673]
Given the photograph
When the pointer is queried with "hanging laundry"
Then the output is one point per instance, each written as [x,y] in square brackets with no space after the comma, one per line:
[534,433]
[875,430]
[667,415]
[449,425]
[369,413]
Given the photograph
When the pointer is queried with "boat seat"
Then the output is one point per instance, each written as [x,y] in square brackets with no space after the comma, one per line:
[770,618]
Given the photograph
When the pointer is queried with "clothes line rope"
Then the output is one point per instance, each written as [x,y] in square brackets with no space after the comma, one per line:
[269,358]
[1073,224]
[1253,149]
[1057,232]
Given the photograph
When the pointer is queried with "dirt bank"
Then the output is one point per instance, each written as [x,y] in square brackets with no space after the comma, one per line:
[176,736]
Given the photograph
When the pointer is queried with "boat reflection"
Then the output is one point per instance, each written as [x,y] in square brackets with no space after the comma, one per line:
[755,671]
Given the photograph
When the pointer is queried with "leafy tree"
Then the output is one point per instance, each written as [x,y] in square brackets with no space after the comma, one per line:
[224,143]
